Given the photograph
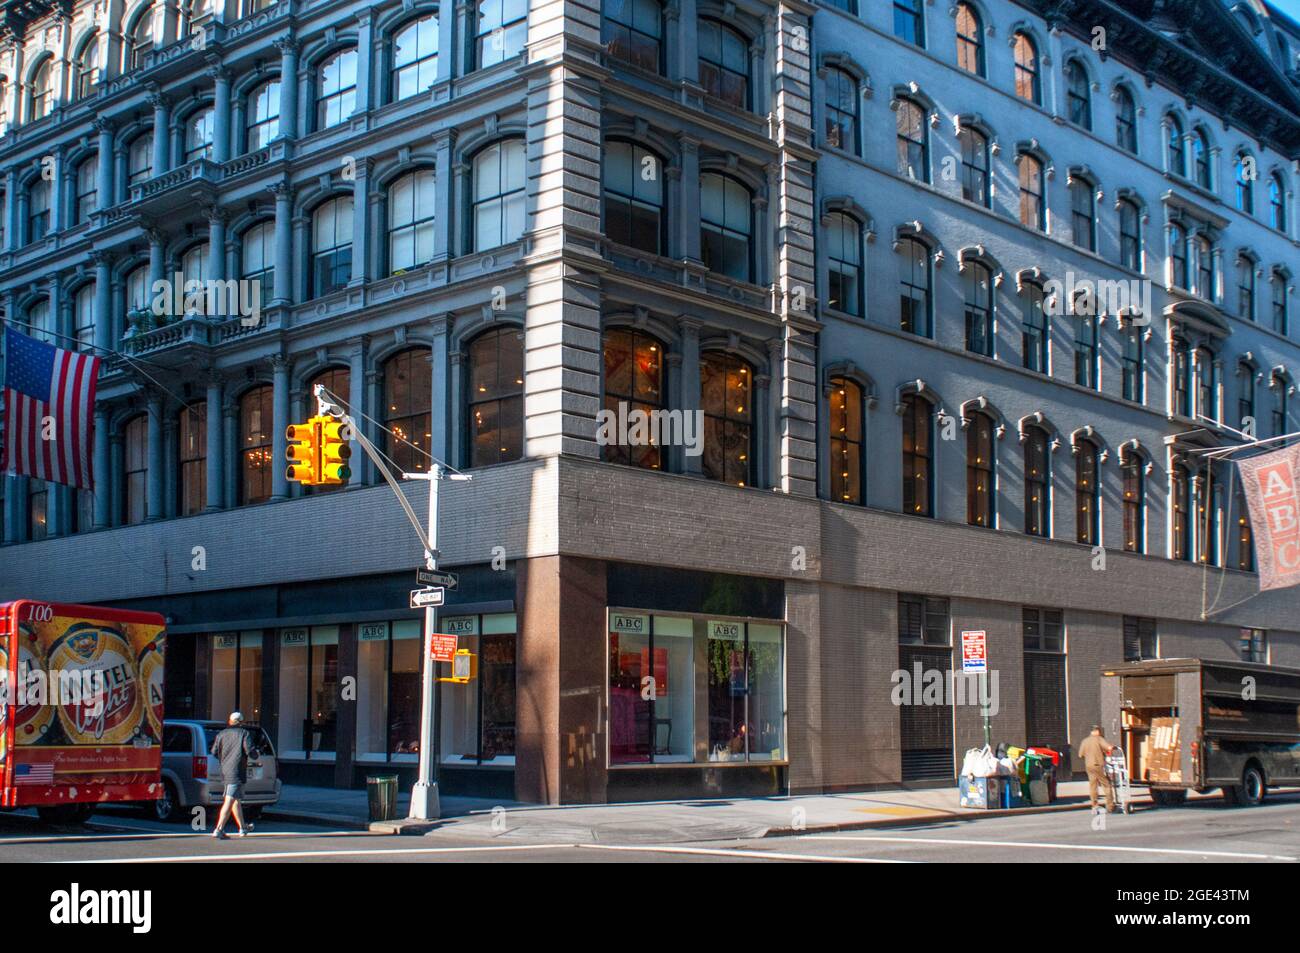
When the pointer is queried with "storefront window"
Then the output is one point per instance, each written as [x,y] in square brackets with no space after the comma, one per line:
[388,699]
[309,691]
[478,719]
[660,665]
[237,675]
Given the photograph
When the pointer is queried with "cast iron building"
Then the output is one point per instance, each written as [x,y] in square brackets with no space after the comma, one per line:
[848,237]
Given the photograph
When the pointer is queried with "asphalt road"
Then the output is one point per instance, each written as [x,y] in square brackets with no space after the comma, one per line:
[1204,831]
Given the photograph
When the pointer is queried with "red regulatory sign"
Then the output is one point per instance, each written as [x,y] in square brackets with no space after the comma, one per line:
[974,651]
[442,648]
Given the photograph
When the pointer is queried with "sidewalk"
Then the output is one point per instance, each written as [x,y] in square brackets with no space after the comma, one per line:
[666,821]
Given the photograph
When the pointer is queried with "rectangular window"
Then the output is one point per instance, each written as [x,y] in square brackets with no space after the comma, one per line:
[923,620]
[1132,365]
[1140,639]
[1254,645]
[236,681]
[478,720]
[1044,630]
[309,691]
[1085,351]
[388,703]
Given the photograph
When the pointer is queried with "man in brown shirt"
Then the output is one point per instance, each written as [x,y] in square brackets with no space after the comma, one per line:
[1093,751]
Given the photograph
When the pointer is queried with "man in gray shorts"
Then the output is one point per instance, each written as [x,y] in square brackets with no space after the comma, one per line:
[232,746]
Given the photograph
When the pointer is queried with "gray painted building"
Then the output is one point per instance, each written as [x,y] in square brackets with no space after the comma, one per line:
[847,238]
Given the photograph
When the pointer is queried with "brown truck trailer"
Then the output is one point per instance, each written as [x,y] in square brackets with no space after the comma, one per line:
[1199,724]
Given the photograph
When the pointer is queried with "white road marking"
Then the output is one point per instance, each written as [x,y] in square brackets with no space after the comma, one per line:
[311,853]
[751,854]
[1041,846]
[167,835]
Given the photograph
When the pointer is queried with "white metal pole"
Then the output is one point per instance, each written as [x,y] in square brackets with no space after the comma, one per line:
[425,804]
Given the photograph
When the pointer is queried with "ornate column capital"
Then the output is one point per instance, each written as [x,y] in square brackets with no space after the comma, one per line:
[103,125]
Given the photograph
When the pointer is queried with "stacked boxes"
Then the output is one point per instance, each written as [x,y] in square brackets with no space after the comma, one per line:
[1164,754]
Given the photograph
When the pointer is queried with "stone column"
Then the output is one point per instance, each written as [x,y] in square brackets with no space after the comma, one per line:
[221,145]
[446,44]
[690,331]
[440,399]
[104,196]
[279,443]
[157,261]
[231,462]
[359,462]
[688,213]
[154,496]
[170,474]
[288,48]
[217,247]
[775,432]
[445,220]
[103,478]
[761,411]
[361,222]
[365,62]
[161,131]
[283,244]
[460,241]
[11,210]
[58,194]
[300,243]
[215,448]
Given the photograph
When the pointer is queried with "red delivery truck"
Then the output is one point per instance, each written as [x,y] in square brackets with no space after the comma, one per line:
[81,707]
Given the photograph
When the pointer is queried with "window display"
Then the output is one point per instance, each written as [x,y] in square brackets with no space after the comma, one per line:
[478,719]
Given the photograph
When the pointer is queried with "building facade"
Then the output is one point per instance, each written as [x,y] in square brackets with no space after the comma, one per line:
[956,294]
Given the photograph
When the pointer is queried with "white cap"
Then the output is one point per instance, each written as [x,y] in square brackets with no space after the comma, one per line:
[236,717]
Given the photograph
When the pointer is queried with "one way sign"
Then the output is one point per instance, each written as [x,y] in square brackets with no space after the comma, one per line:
[436,577]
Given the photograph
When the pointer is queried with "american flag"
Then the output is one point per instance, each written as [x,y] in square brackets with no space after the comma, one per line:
[42,381]
[41,773]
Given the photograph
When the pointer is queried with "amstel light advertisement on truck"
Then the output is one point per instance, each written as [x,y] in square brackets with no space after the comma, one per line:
[81,706]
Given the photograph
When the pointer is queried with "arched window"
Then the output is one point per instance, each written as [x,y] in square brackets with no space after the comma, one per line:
[88,67]
[338,381]
[496,397]
[980,475]
[1178,273]
[40,322]
[135,483]
[192,457]
[139,160]
[847,444]
[634,197]
[1246,288]
[633,31]
[724,63]
[263,115]
[1078,94]
[1086,351]
[1034,338]
[1277,286]
[331,246]
[1125,121]
[1175,154]
[499,184]
[1133,469]
[727,389]
[975,167]
[336,89]
[1207,518]
[914,287]
[1244,168]
[137,289]
[41,98]
[408,399]
[415,56]
[199,128]
[726,224]
[1279,385]
[844,263]
[1087,493]
[909,21]
[634,378]
[196,266]
[1133,363]
[83,316]
[1038,485]
[1205,276]
[140,40]
[1246,397]
[410,220]
[1277,202]
[1182,377]
[918,460]
[970,40]
[1245,540]
[87,189]
[1083,214]
[1033,211]
[1028,80]
[1180,509]
[256,461]
[1201,158]
[501,31]
[841,123]
[258,259]
[38,210]
[913,141]
[1207,385]
[1130,235]
[977,285]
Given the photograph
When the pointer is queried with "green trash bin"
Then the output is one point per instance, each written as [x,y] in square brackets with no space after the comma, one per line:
[381,792]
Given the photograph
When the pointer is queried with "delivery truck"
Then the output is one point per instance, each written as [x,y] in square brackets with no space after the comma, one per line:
[81,707]
[1198,724]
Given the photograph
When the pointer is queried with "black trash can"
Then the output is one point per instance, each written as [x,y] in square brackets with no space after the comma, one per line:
[381,792]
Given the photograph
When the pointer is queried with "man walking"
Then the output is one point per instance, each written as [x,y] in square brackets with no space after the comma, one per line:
[1093,751]
[232,746]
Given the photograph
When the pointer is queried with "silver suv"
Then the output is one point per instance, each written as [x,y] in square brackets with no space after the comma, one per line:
[192,776]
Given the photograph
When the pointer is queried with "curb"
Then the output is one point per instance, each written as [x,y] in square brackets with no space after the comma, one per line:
[926,819]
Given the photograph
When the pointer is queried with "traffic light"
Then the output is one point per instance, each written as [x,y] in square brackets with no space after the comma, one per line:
[334,452]
[303,449]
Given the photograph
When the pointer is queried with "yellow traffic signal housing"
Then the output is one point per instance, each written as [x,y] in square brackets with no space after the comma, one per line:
[464,667]
[334,452]
[304,462]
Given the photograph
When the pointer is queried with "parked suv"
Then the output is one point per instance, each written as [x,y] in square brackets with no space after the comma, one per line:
[192,776]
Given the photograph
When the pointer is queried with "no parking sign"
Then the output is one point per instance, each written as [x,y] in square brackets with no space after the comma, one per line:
[974,652]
